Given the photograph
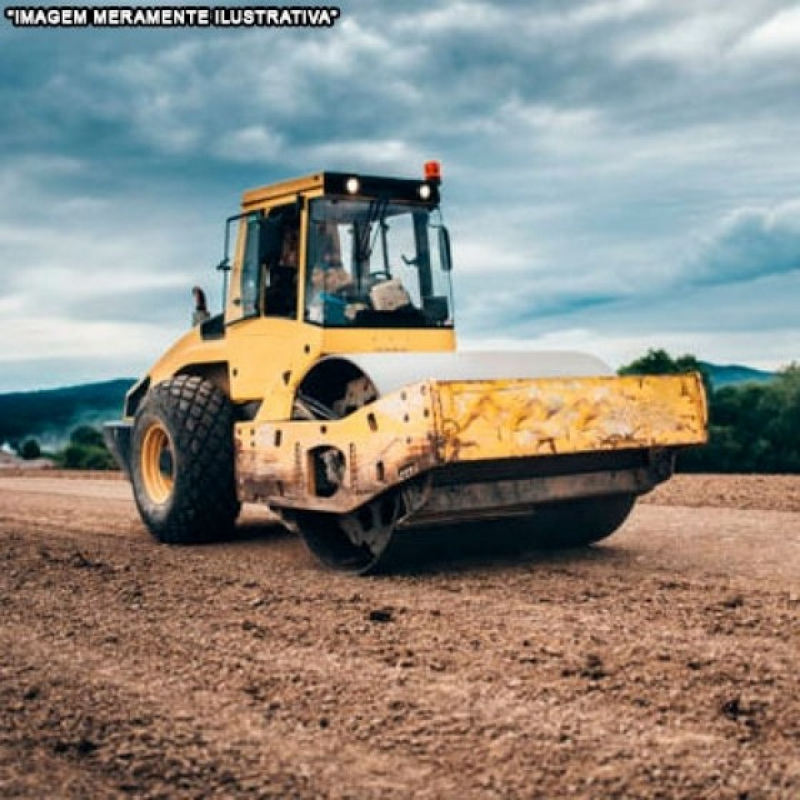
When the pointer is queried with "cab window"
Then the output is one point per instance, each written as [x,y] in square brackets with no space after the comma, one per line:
[251,267]
[269,267]
[280,293]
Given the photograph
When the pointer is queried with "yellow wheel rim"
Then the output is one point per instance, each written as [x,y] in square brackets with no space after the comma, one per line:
[157,463]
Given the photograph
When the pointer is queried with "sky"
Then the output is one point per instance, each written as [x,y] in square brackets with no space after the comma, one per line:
[619,175]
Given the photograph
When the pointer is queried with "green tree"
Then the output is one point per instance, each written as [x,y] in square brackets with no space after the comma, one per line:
[30,449]
[87,436]
[86,450]
[780,409]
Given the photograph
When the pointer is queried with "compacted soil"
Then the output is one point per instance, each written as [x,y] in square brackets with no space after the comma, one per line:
[662,662]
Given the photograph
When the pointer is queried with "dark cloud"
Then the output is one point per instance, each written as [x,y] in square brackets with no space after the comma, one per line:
[752,243]
[588,148]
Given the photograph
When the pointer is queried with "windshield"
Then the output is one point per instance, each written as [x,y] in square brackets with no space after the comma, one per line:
[372,263]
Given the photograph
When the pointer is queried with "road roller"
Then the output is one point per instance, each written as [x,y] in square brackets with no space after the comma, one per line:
[330,389]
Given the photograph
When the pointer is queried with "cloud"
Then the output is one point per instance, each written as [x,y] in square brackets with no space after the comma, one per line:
[751,243]
[779,36]
[751,257]
[689,38]
[250,145]
[223,94]
[605,162]
[709,321]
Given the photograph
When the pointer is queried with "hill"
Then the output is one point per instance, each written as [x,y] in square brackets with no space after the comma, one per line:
[732,374]
[50,415]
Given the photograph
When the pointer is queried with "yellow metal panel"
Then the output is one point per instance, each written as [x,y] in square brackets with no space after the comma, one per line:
[267,195]
[268,356]
[387,340]
[190,349]
[502,419]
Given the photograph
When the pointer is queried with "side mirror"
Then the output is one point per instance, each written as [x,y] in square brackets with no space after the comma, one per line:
[444,249]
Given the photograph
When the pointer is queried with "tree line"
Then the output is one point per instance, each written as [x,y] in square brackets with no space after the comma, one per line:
[85,450]
[753,427]
[51,413]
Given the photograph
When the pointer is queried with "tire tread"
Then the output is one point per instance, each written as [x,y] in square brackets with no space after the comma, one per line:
[199,418]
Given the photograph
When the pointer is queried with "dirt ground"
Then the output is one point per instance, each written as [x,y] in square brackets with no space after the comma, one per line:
[662,662]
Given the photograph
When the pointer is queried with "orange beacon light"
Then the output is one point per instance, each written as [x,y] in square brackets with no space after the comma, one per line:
[433,171]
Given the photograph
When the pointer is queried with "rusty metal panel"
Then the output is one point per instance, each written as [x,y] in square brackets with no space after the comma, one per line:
[502,419]
[383,444]
[506,498]
[338,465]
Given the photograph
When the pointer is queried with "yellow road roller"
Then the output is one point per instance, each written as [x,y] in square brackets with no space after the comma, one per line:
[330,389]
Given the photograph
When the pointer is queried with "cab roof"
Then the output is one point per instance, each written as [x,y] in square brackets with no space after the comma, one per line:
[340,183]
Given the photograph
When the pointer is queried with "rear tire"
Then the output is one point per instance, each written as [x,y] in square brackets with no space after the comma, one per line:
[182,462]
[580,522]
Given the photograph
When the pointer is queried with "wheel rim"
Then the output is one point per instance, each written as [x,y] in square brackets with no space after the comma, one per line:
[157,464]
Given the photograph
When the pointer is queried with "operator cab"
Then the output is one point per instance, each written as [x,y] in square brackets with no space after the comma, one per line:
[371,264]
[344,251]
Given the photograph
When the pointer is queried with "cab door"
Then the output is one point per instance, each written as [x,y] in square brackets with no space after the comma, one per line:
[244,298]
[268,259]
